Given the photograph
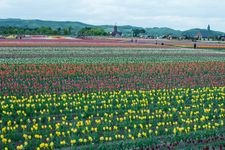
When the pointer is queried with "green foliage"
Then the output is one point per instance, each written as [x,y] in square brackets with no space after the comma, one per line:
[87,31]
[155,32]
[35,31]
[137,32]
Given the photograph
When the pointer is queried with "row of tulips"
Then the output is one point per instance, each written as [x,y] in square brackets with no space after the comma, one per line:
[153,69]
[179,116]
[74,78]
[84,55]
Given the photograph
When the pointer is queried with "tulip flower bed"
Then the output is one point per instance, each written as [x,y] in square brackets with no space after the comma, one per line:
[73,78]
[106,55]
[111,98]
[111,42]
[138,118]
[106,42]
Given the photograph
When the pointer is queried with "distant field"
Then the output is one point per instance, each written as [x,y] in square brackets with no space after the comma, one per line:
[111,97]
[110,42]
[107,55]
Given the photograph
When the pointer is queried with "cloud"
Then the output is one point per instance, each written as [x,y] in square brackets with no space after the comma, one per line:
[181,14]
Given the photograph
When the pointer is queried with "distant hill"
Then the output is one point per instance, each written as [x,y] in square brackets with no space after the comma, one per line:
[163,31]
[40,23]
[203,32]
[127,29]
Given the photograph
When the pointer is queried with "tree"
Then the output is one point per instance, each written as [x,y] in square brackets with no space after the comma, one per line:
[137,32]
[59,30]
[66,31]
[87,31]
[70,29]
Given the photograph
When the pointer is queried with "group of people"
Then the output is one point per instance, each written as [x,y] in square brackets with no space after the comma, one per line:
[134,41]
[156,43]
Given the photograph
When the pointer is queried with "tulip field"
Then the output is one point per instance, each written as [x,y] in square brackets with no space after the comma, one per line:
[112,98]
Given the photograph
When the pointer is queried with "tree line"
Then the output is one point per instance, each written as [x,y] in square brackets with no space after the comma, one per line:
[35,31]
[86,31]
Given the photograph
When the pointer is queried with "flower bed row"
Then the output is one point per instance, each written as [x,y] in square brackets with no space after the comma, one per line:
[161,116]
[74,78]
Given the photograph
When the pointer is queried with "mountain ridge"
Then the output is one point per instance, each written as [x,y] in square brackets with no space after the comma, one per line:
[126,29]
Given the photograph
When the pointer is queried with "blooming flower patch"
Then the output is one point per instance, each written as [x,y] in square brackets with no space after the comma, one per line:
[56,121]
[73,78]
[111,98]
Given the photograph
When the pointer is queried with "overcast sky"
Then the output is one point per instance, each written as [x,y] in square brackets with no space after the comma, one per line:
[177,14]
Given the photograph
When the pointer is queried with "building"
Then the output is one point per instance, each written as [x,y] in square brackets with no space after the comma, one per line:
[2,37]
[205,34]
[222,38]
[208,28]
[198,36]
[116,32]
